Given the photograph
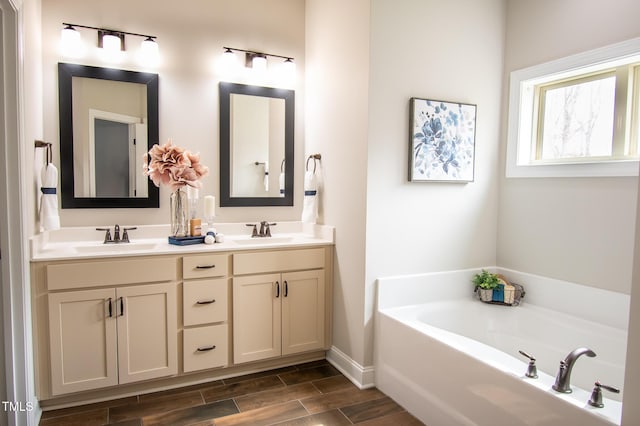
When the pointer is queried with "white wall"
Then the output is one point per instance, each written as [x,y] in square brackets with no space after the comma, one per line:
[337,82]
[575,229]
[439,50]
[191,35]
[631,408]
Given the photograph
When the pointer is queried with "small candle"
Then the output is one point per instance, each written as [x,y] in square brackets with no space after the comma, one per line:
[209,206]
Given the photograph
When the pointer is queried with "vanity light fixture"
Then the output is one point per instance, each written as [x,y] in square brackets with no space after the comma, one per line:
[258,60]
[109,40]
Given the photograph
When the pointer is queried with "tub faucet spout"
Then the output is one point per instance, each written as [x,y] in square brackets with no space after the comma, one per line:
[563,378]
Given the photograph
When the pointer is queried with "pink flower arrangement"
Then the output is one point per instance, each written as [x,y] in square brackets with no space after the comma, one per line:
[174,166]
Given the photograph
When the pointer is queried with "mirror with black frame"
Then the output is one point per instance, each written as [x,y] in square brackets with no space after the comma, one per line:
[108,121]
[256,145]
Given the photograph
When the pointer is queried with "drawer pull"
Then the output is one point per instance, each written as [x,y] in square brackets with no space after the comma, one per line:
[206,348]
[205,266]
[205,302]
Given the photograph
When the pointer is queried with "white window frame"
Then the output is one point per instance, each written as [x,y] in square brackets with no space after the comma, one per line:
[520,160]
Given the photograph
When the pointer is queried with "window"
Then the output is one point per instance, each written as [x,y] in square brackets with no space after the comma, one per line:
[578,116]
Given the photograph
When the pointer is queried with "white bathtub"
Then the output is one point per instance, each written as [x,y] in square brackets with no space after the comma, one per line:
[452,360]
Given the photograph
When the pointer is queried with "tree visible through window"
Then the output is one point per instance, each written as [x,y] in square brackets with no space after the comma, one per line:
[577,116]
[577,119]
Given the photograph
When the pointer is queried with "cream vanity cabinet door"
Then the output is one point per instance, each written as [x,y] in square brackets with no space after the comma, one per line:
[82,334]
[256,317]
[277,314]
[112,336]
[147,328]
[303,317]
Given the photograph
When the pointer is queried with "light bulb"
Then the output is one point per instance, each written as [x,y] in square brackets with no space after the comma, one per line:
[111,43]
[227,64]
[289,68]
[259,63]
[70,41]
[149,52]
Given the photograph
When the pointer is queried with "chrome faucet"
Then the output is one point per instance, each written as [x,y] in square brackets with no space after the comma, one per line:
[265,229]
[116,234]
[563,377]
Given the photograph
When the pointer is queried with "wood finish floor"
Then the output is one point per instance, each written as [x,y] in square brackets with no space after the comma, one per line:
[304,395]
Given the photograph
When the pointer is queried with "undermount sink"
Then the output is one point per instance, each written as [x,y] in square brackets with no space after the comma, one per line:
[98,248]
[262,240]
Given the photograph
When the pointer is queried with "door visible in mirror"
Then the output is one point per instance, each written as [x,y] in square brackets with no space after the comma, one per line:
[108,121]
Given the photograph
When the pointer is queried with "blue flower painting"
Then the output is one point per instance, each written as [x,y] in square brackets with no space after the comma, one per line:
[442,141]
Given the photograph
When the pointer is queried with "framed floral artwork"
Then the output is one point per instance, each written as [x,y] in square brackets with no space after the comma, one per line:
[442,146]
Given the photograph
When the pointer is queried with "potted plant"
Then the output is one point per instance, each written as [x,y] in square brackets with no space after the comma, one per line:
[485,282]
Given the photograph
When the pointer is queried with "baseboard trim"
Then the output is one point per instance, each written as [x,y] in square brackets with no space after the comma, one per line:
[362,377]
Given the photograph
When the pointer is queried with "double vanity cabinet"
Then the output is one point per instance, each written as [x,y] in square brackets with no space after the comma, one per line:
[107,326]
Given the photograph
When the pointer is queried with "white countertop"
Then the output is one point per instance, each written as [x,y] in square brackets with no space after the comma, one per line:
[87,242]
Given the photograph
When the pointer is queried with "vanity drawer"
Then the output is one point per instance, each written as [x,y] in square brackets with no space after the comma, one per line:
[205,301]
[277,261]
[204,266]
[206,347]
[113,272]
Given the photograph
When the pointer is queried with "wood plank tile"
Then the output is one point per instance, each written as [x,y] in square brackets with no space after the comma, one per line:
[276,396]
[177,391]
[156,406]
[241,388]
[210,422]
[309,374]
[339,399]
[331,417]
[87,418]
[371,409]
[89,407]
[259,374]
[403,418]
[131,422]
[265,416]
[192,415]
[333,384]
[312,364]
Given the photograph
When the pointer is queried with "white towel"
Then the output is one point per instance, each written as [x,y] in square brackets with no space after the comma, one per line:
[49,218]
[281,184]
[310,206]
[266,176]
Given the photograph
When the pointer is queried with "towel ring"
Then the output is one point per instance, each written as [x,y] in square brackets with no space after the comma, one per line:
[314,157]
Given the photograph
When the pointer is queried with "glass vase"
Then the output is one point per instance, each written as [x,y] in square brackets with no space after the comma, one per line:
[179,208]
